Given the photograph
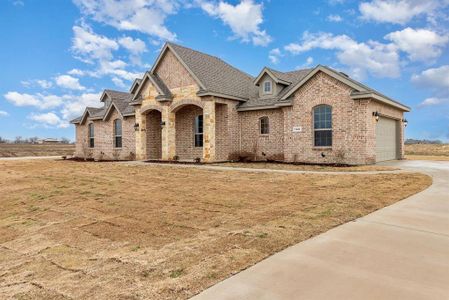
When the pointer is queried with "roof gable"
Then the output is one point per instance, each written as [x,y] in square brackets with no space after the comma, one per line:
[273,76]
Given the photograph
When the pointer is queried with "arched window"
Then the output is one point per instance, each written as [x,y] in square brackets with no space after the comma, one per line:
[264,125]
[322,125]
[118,133]
[91,135]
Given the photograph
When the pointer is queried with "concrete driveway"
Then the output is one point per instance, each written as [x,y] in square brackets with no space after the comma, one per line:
[399,252]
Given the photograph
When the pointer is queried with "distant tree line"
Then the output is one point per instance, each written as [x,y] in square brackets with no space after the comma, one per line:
[413,141]
[31,140]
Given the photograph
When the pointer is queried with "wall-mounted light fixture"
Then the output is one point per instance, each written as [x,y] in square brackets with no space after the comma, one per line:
[162,124]
[136,126]
[376,115]
[405,122]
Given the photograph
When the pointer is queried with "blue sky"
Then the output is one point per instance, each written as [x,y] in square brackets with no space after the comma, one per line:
[56,57]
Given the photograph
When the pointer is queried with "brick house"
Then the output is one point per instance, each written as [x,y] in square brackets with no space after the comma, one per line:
[192,105]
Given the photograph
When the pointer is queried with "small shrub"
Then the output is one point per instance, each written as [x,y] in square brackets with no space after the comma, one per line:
[132,156]
[116,154]
[176,158]
[197,160]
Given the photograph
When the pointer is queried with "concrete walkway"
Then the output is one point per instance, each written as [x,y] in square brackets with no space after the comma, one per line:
[399,252]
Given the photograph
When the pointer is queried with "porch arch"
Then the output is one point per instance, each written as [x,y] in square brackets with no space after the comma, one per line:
[182,103]
[149,107]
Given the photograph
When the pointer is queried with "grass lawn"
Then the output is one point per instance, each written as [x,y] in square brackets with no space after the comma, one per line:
[427,152]
[108,230]
[19,150]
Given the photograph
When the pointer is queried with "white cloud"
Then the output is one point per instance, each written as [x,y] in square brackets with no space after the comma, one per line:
[38,100]
[138,15]
[334,18]
[49,119]
[371,57]
[275,55]
[45,84]
[437,78]
[135,46]
[76,72]
[420,44]
[3,113]
[74,106]
[89,46]
[244,19]
[433,101]
[118,82]
[399,11]
[69,82]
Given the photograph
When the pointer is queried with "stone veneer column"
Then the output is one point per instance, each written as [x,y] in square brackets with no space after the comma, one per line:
[141,136]
[209,131]
[168,133]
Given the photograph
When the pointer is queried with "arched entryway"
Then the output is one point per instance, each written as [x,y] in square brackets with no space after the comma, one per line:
[189,131]
[153,133]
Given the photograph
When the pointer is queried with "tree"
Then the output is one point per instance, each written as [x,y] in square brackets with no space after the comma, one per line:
[3,141]
[18,140]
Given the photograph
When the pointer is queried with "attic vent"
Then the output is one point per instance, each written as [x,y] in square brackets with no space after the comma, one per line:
[344,74]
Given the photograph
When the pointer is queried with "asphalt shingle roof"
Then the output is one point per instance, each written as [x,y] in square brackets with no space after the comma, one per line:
[215,74]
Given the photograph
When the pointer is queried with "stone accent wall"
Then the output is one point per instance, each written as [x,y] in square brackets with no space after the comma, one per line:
[104,139]
[173,73]
[185,143]
[265,146]
[222,136]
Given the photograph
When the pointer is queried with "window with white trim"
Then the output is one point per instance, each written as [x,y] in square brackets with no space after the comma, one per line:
[91,135]
[118,133]
[322,125]
[264,125]
[198,136]
[267,88]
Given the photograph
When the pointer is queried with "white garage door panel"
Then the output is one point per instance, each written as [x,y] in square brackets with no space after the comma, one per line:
[387,139]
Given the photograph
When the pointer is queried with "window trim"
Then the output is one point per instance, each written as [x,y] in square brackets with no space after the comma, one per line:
[116,136]
[197,132]
[261,119]
[91,138]
[315,130]
[271,87]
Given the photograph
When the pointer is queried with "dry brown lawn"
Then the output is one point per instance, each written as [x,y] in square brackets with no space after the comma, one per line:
[427,151]
[298,167]
[20,150]
[115,231]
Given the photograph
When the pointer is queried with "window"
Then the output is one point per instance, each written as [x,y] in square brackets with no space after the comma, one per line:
[118,133]
[199,131]
[91,135]
[322,125]
[264,125]
[267,87]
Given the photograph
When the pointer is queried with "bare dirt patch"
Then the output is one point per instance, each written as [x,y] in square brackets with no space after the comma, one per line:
[299,167]
[108,230]
[21,150]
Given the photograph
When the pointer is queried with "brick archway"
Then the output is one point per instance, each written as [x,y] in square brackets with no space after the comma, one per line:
[182,103]
[149,107]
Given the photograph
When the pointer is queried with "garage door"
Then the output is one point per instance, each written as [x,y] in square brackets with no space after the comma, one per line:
[387,139]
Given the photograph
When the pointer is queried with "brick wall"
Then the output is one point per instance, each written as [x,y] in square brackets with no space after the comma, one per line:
[104,140]
[154,135]
[172,72]
[265,146]
[185,143]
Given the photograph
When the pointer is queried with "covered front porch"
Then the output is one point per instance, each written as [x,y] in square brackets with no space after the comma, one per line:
[186,130]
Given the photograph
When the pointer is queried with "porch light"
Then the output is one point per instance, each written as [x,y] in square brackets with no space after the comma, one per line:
[376,115]
[405,122]
[136,126]
[162,123]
